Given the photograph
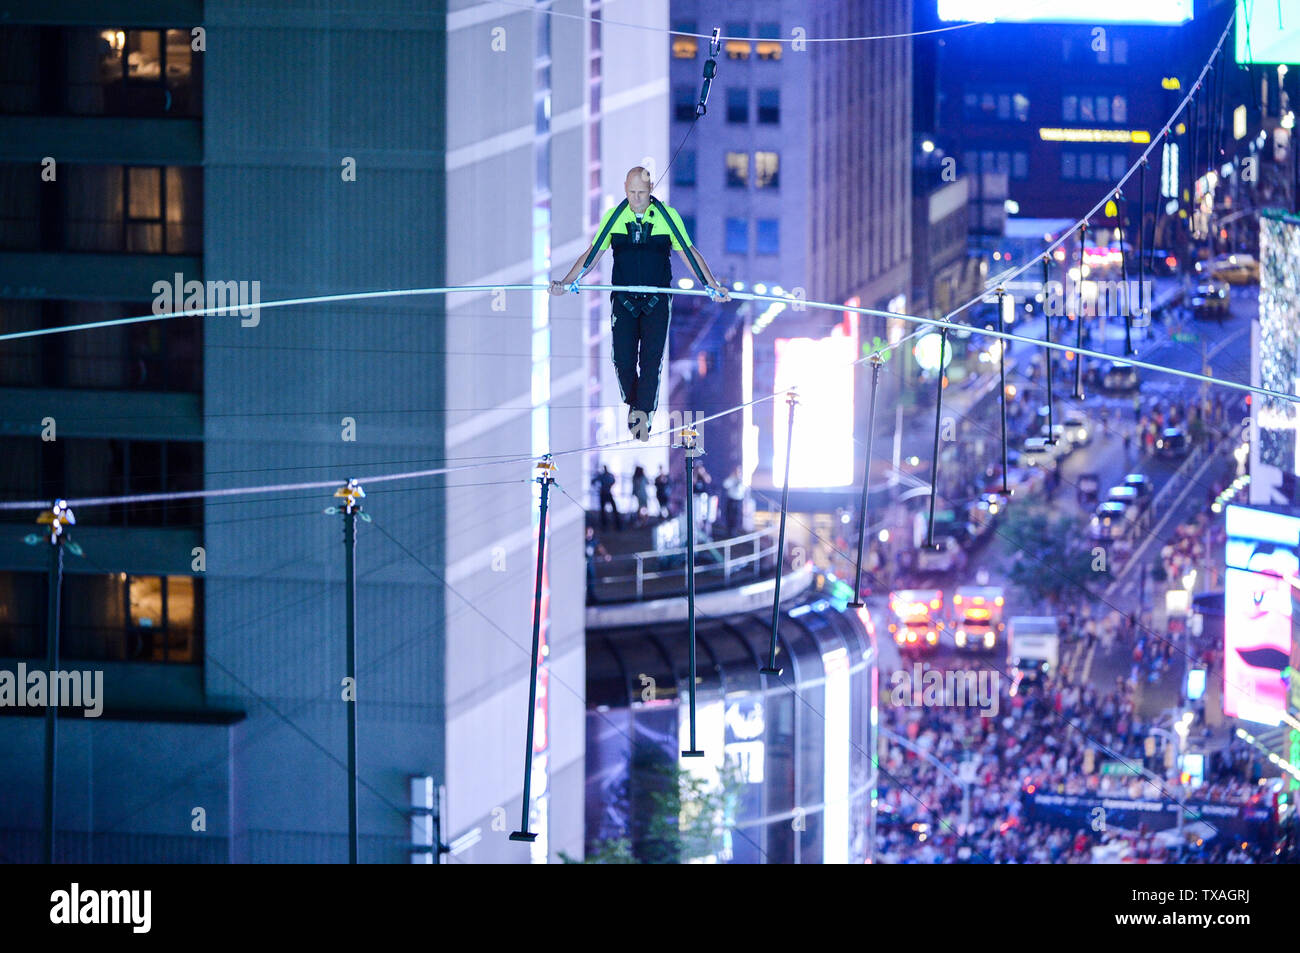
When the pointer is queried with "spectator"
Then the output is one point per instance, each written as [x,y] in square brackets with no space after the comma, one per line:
[663,484]
[594,550]
[735,489]
[604,481]
[639,490]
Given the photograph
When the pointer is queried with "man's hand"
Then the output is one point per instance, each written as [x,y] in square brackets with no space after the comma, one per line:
[719,292]
[557,288]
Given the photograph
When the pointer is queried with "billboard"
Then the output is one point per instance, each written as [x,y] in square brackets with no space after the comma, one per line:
[1262,567]
[1275,361]
[822,369]
[1070,11]
[1263,36]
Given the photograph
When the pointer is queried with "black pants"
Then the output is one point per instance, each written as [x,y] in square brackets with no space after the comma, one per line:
[640,333]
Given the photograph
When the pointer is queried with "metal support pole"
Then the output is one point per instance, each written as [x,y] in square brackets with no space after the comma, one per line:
[56,517]
[351,493]
[873,737]
[1143,300]
[1002,391]
[690,442]
[1078,331]
[1047,331]
[1123,277]
[876,362]
[545,476]
[938,411]
[770,668]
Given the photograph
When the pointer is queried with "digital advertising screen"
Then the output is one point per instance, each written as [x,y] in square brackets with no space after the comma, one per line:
[1262,568]
[1275,353]
[823,429]
[1070,11]
[1264,35]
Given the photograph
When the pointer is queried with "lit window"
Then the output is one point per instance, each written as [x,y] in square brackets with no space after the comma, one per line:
[685,47]
[769,48]
[767,170]
[737,170]
[737,49]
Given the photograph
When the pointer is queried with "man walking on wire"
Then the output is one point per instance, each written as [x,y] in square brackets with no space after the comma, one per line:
[642,231]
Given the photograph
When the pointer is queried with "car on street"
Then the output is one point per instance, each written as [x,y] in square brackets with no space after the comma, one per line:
[1211,300]
[1076,428]
[1118,376]
[1142,483]
[1172,442]
[1037,452]
[1237,268]
[945,556]
[1126,495]
[1060,437]
[1109,522]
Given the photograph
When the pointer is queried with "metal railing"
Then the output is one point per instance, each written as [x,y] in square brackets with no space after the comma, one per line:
[719,557]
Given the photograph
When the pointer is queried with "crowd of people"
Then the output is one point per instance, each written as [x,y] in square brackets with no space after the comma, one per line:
[715,513]
[1038,741]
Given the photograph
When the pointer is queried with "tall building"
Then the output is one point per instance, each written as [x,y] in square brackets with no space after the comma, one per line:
[798,180]
[313,152]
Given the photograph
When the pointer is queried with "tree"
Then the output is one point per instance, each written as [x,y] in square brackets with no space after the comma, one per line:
[674,816]
[1051,556]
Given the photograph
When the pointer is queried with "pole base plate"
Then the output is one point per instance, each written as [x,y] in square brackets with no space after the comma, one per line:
[692,754]
[524,836]
[857,605]
[770,671]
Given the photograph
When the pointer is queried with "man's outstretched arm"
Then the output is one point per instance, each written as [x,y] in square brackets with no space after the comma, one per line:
[561,286]
[694,253]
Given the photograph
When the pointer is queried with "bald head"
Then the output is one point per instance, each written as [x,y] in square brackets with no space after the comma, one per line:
[638,185]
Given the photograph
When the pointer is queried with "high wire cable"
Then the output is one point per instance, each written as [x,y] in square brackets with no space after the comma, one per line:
[628,442]
[749,39]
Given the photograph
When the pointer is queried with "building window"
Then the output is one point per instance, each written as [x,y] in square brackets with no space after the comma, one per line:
[737,170]
[115,72]
[737,49]
[136,209]
[769,45]
[1116,52]
[105,617]
[1093,166]
[767,170]
[684,100]
[996,105]
[129,618]
[769,107]
[737,104]
[737,236]
[155,356]
[85,466]
[684,169]
[1098,108]
[1013,163]
[685,47]
[769,236]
